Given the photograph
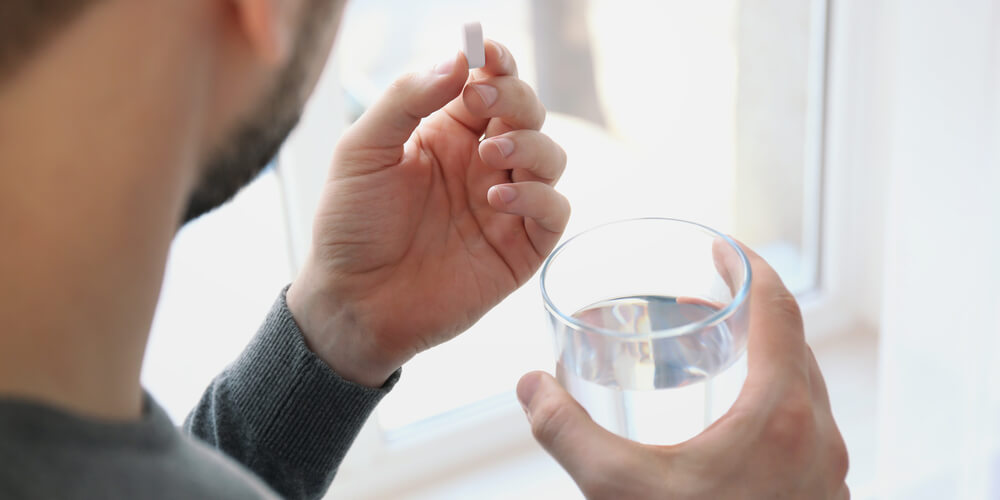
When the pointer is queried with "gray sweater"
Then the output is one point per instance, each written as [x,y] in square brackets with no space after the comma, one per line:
[275,423]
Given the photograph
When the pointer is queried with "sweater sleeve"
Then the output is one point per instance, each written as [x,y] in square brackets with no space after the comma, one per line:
[282,412]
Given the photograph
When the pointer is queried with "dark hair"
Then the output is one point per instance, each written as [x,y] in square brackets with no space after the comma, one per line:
[27,24]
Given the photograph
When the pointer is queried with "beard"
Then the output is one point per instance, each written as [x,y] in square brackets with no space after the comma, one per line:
[233,167]
[256,140]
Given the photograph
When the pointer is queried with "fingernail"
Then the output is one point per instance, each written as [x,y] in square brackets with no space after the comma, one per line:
[487,93]
[506,193]
[504,145]
[445,67]
[526,390]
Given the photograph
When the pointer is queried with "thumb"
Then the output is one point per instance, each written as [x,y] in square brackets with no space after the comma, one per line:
[377,138]
[585,449]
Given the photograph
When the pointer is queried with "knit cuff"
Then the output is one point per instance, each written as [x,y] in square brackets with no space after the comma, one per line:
[301,409]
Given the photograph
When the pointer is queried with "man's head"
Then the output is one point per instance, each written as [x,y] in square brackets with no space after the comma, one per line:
[282,44]
[255,139]
[26,24]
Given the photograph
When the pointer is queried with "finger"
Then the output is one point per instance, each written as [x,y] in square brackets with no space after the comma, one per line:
[377,138]
[844,493]
[837,456]
[546,211]
[776,348]
[531,154]
[505,97]
[566,431]
[728,262]
[819,392]
[699,301]
[499,62]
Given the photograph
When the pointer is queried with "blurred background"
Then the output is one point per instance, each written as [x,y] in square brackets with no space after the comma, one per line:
[853,143]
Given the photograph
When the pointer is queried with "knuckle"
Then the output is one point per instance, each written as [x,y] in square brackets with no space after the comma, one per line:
[536,109]
[563,157]
[596,485]
[508,58]
[567,206]
[839,457]
[784,303]
[523,91]
[606,477]
[548,419]
[558,216]
[791,430]
[542,113]
[404,83]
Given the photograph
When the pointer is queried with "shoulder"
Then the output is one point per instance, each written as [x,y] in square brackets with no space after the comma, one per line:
[186,468]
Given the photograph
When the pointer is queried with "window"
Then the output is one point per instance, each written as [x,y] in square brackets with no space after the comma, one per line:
[708,111]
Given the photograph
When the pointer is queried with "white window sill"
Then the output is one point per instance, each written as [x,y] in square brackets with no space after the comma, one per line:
[849,363]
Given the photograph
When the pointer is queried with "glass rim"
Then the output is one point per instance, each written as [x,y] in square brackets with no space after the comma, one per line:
[714,319]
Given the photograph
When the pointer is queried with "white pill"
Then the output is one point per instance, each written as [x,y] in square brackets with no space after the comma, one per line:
[472,45]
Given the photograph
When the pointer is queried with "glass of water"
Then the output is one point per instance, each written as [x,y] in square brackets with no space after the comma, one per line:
[650,324]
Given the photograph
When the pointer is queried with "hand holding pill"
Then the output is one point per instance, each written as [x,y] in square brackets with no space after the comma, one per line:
[439,204]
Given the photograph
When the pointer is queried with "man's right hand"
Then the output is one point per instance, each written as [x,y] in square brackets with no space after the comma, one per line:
[779,440]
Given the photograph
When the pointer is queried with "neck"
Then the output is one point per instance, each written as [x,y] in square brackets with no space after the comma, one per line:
[90,198]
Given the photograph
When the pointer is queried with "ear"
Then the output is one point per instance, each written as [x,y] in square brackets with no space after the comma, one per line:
[268,26]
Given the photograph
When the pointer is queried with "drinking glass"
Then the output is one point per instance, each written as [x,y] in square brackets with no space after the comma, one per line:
[648,316]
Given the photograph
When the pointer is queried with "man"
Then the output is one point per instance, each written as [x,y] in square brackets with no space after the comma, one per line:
[120,120]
